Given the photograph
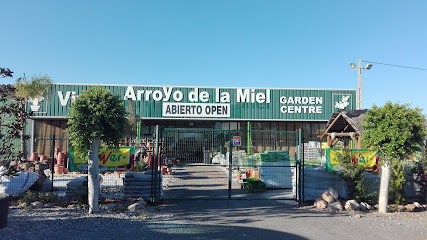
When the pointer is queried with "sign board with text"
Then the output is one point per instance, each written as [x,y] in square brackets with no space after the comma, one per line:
[173,102]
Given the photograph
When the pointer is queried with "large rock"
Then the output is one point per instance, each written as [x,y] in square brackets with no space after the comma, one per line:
[39,168]
[333,193]
[352,205]
[135,207]
[77,187]
[26,167]
[120,207]
[328,197]
[107,207]
[320,204]
[365,206]
[335,206]
[410,207]
[414,207]
[16,185]
[419,206]
[401,208]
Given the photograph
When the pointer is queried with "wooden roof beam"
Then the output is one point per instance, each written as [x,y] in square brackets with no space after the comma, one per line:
[346,134]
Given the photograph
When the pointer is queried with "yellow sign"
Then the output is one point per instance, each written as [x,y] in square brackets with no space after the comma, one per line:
[108,157]
[366,158]
[324,145]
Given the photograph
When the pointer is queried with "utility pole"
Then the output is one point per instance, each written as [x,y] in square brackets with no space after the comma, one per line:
[359,88]
[359,68]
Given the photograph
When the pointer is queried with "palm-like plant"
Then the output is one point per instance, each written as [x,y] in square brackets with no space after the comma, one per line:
[36,87]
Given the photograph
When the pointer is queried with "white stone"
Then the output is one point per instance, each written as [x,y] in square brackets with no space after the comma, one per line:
[418,205]
[135,207]
[336,206]
[37,204]
[352,205]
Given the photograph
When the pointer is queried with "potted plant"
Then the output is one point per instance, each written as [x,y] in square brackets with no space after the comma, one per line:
[4,209]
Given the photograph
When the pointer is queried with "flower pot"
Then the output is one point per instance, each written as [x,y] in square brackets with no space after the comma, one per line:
[34,156]
[4,211]
[164,170]
[57,150]
[59,169]
[43,159]
[60,158]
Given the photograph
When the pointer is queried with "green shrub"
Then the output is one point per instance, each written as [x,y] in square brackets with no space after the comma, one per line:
[29,197]
[353,175]
[397,181]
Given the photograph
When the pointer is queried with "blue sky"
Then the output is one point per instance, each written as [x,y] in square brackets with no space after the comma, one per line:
[261,44]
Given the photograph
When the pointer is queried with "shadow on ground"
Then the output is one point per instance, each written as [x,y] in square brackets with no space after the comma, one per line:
[69,226]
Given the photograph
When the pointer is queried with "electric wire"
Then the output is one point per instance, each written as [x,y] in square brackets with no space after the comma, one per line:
[393,65]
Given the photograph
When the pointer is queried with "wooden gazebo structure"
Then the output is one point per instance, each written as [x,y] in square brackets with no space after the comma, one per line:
[345,123]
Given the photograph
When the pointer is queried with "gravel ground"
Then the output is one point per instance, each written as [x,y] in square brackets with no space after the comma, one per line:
[213,220]
[76,223]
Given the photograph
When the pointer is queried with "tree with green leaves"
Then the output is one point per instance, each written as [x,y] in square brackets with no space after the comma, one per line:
[32,90]
[5,72]
[132,120]
[96,116]
[394,131]
[9,122]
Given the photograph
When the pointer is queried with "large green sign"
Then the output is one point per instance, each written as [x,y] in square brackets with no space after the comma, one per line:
[161,102]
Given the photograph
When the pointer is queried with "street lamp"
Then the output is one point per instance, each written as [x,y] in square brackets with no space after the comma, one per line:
[359,76]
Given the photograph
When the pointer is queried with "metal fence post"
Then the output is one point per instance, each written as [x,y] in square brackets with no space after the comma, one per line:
[230,166]
[155,170]
[303,165]
[53,162]
[300,148]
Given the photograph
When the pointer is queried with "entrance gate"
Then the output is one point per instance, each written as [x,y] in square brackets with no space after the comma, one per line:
[217,164]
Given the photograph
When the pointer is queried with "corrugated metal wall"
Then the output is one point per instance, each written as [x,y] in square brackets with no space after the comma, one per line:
[51,107]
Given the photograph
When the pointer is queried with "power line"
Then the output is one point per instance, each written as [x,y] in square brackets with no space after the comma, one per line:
[392,65]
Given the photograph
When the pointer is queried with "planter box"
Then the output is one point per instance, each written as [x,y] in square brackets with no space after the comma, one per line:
[4,211]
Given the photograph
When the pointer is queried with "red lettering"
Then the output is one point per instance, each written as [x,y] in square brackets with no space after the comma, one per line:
[103,159]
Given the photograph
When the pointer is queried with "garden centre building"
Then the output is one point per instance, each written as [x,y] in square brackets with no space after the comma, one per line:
[215,108]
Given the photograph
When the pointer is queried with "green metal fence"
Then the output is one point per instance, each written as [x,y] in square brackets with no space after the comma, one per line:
[231,164]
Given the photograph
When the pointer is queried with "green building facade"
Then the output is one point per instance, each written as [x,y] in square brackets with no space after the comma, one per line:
[198,107]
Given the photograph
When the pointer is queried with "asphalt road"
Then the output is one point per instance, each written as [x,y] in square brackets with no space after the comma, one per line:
[201,219]
[285,220]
